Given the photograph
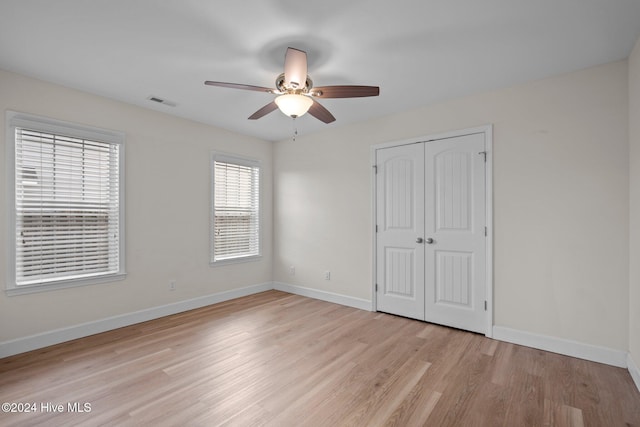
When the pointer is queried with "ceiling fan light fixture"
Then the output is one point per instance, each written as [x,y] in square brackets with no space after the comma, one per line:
[294,105]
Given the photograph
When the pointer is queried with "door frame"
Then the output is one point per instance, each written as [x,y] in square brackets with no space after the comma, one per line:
[487,130]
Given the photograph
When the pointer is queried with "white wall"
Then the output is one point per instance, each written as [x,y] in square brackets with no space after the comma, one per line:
[634,258]
[167,210]
[561,204]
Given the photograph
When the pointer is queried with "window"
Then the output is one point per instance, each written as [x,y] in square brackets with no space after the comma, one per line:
[235,209]
[67,208]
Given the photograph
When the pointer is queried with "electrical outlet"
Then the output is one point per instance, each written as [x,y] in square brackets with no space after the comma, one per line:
[172,285]
[327,275]
[292,271]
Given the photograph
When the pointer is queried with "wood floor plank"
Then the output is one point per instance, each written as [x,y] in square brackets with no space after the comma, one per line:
[284,360]
[492,409]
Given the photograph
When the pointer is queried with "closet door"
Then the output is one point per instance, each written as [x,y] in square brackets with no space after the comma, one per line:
[430,239]
[400,223]
[455,241]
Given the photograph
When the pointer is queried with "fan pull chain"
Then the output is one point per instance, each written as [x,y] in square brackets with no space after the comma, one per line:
[295,130]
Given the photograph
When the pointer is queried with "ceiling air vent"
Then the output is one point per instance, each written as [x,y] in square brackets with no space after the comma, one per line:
[162,101]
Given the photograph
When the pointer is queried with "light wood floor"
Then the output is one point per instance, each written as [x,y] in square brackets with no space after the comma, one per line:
[284,360]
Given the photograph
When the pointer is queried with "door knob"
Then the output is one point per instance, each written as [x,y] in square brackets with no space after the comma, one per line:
[419,240]
[429,240]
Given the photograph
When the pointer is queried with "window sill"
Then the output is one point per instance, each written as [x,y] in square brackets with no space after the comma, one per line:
[72,283]
[235,260]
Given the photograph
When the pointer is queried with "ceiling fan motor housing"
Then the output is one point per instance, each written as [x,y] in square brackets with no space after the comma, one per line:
[284,89]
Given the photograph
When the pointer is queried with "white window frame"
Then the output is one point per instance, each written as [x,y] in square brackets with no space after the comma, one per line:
[243,161]
[43,124]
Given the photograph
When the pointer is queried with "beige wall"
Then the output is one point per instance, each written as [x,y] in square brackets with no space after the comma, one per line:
[167,210]
[634,257]
[561,205]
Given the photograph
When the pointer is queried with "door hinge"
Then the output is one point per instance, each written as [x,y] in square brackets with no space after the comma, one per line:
[376,228]
[484,153]
[375,169]
[485,231]
[376,287]
[485,306]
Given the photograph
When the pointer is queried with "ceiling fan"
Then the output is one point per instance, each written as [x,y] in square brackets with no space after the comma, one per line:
[296,92]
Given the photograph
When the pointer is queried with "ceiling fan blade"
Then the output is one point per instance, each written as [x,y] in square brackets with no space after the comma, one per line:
[264,111]
[295,68]
[321,113]
[239,86]
[345,91]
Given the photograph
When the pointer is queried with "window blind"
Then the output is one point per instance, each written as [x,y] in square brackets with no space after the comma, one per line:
[236,211]
[67,209]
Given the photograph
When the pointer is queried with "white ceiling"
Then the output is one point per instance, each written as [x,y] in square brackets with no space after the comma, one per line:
[418,52]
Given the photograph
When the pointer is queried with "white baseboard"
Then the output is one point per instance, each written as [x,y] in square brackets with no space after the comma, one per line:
[577,349]
[362,304]
[633,370]
[57,336]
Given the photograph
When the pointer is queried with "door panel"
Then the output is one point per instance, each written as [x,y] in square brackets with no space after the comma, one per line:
[453,274]
[398,175]
[400,217]
[400,265]
[453,192]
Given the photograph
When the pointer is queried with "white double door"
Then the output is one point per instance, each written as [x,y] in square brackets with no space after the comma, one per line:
[431,228]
